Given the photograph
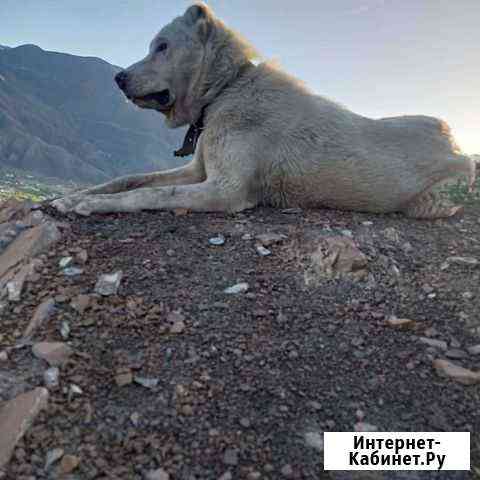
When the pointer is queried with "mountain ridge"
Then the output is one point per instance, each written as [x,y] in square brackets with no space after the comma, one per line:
[61,115]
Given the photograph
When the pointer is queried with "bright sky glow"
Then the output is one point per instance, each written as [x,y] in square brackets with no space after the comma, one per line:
[378,57]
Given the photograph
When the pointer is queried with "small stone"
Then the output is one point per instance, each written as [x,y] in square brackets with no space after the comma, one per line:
[69,463]
[146,382]
[456,353]
[407,247]
[474,350]
[262,251]
[65,330]
[51,378]
[72,271]
[268,239]
[391,234]
[431,342]
[187,410]
[445,368]
[217,241]
[73,391]
[3,356]
[237,288]
[81,303]
[16,417]
[177,327]
[365,427]
[230,457]
[65,262]
[180,212]
[53,456]
[247,236]
[82,257]
[135,419]
[463,261]
[15,286]
[170,252]
[400,322]
[314,440]
[245,422]
[226,476]
[314,405]
[287,471]
[367,223]
[55,353]
[467,295]
[124,378]
[107,284]
[159,474]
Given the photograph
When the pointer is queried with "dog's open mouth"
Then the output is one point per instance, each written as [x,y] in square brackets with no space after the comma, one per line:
[161,100]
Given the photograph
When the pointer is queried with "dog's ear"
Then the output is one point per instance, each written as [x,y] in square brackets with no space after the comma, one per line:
[199,16]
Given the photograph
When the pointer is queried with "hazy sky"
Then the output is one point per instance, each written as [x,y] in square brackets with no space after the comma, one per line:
[378,57]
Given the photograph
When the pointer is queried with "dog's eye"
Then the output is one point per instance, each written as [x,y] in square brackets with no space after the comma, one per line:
[162,47]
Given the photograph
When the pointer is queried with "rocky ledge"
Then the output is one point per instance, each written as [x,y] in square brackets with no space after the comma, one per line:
[172,345]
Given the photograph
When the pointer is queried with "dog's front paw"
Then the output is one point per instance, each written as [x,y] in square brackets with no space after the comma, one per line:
[84,208]
[66,204]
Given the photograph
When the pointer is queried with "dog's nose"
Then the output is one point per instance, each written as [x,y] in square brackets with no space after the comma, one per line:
[121,79]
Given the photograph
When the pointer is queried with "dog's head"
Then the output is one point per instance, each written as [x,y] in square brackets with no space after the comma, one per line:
[188,62]
[161,81]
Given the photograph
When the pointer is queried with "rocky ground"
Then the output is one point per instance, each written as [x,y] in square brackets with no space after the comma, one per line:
[340,327]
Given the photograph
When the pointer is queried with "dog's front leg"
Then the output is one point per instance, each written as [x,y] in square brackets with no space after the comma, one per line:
[187,174]
[208,196]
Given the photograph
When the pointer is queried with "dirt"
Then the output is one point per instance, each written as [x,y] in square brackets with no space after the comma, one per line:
[250,374]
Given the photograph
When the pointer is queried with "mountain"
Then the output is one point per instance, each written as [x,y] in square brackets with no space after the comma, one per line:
[62,116]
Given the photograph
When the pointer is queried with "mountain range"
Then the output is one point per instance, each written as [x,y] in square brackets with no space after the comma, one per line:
[62,116]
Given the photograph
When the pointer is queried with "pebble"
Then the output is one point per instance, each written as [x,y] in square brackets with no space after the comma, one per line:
[81,302]
[159,474]
[51,377]
[474,350]
[314,440]
[268,239]
[365,427]
[400,322]
[108,284]
[287,471]
[431,342]
[146,382]
[72,271]
[463,261]
[230,457]
[82,257]
[217,241]
[53,456]
[65,330]
[69,463]
[3,356]
[65,262]
[238,288]
[445,368]
[124,378]
[262,251]
[55,353]
[456,353]
[177,327]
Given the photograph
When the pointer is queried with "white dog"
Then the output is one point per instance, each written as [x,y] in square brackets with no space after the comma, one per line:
[260,137]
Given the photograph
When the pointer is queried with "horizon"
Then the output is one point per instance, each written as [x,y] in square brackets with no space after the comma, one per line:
[377,57]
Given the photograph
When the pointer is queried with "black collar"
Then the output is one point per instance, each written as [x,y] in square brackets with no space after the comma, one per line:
[193,133]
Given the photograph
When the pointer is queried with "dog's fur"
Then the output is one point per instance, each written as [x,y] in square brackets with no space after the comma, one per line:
[268,140]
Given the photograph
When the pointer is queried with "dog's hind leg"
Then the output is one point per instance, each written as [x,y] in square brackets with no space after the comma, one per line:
[431,205]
